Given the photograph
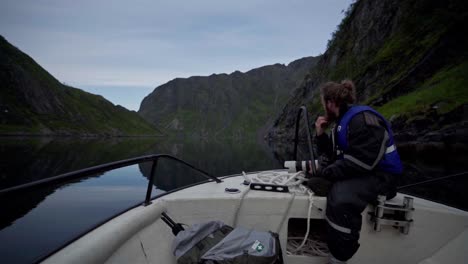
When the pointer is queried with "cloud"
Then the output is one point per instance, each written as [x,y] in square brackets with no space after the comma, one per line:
[147,43]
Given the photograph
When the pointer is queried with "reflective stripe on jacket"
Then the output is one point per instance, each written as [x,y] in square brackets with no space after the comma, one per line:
[388,159]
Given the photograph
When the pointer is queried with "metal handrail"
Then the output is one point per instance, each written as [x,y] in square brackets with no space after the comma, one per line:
[102,168]
[309,137]
[106,167]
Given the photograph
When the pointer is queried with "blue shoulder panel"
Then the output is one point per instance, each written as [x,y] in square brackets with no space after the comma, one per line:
[391,160]
[342,129]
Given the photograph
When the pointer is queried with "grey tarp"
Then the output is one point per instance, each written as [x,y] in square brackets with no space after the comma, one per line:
[188,238]
[243,241]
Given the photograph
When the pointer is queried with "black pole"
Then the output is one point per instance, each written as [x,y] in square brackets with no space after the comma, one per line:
[309,138]
[150,182]
[296,135]
[168,218]
[167,222]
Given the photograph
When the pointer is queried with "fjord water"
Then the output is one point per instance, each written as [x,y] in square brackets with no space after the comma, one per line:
[44,219]
[30,159]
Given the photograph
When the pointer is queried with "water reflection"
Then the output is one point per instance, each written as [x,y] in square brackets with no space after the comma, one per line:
[218,158]
[56,214]
[69,211]
[25,160]
[44,219]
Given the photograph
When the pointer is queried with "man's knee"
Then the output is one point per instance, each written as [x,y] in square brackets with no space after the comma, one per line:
[342,232]
[338,196]
[344,220]
[352,194]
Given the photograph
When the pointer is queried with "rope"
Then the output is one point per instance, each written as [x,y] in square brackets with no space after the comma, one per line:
[309,246]
[313,247]
[311,201]
[239,205]
[293,182]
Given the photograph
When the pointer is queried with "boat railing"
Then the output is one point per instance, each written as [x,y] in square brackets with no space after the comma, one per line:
[79,174]
[303,109]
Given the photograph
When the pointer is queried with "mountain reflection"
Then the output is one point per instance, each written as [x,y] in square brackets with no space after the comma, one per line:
[30,159]
[71,208]
[25,160]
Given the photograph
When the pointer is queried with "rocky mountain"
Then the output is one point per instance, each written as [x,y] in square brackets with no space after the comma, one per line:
[33,102]
[408,59]
[224,105]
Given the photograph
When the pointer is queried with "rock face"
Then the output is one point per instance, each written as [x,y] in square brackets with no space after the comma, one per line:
[408,60]
[224,105]
[33,102]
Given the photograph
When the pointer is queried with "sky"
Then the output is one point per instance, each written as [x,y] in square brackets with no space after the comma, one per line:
[124,49]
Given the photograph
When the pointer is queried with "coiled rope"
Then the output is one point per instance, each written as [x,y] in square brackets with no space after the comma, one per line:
[293,182]
[308,246]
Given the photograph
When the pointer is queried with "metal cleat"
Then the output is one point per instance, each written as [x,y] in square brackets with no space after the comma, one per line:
[399,216]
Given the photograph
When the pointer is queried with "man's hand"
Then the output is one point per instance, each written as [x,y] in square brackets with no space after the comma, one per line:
[318,172]
[320,166]
[319,186]
[310,173]
[323,161]
[320,125]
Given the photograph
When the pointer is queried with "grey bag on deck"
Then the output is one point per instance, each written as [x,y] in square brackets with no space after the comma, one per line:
[214,242]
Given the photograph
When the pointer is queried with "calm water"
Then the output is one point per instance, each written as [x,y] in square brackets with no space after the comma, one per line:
[56,214]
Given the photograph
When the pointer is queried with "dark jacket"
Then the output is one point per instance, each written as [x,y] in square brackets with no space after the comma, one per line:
[365,135]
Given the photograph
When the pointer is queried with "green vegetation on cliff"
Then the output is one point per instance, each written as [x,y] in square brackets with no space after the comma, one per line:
[444,92]
[224,105]
[407,59]
[33,102]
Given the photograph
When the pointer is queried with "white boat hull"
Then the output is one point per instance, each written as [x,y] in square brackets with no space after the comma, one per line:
[439,234]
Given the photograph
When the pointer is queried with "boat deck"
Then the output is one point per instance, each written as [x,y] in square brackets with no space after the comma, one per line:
[439,233]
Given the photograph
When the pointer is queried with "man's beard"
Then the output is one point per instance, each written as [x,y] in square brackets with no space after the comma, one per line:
[331,116]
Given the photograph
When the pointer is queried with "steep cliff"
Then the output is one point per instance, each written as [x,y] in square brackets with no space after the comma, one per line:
[33,102]
[224,105]
[408,59]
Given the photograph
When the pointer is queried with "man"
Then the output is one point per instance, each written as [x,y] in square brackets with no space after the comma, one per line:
[364,163]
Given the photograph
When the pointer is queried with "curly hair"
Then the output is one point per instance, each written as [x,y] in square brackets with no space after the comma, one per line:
[340,93]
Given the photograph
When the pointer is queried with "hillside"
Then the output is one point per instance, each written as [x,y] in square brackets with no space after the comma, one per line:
[408,60]
[224,105]
[33,102]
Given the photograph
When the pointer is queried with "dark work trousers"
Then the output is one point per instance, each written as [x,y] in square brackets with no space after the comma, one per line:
[346,201]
